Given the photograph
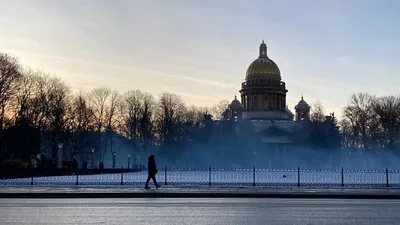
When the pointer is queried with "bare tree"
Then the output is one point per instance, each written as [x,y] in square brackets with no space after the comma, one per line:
[170,115]
[10,74]
[38,100]
[387,110]
[98,101]
[59,110]
[346,129]
[133,108]
[317,112]
[138,118]
[106,106]
[146,121]
[83,123]
[83,114]
[41,101]
[219,109]
[359,113]
[60,95]
[113,110]
[21,107]
[195,115]
[39,95]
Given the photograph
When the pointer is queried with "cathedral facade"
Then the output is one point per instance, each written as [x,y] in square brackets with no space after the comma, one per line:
[263,107]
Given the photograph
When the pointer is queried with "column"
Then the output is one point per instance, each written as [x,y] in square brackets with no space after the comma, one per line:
[272,101]
[255,102]
[279,101]
[242,101]
[284,101]
[250,104]
[265,102]
[271,97]
[246,99]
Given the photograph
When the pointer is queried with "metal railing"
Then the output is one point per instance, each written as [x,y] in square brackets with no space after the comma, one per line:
[223,177]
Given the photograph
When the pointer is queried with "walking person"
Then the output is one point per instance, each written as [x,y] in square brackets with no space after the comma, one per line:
[152,171]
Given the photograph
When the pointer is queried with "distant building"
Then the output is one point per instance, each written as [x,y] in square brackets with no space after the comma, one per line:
[262,110]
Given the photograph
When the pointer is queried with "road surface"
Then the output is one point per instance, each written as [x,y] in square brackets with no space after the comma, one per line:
[186,211]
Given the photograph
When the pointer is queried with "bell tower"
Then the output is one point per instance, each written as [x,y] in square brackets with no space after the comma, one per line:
[302,110]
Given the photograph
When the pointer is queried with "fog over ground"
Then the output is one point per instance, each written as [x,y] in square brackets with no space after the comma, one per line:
[249,155]
[305,158]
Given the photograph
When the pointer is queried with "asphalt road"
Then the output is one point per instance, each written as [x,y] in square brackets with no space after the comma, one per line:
[186,211]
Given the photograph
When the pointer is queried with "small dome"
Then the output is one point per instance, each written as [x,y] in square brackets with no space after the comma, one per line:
[263,65]
[302,104]
[235,104]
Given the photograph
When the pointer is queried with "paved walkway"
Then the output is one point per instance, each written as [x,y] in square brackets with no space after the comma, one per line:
[195,192]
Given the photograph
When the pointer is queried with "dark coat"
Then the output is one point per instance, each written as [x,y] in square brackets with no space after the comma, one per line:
[152,167]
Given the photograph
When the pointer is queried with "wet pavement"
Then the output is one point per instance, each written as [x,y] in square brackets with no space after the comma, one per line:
[199,211]
[199,191]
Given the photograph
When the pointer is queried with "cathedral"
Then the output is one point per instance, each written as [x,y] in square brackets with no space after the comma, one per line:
[262,106]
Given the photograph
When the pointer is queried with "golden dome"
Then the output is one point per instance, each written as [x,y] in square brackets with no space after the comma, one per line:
[263,65]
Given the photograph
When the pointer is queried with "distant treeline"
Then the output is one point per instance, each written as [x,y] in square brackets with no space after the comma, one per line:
[33,102]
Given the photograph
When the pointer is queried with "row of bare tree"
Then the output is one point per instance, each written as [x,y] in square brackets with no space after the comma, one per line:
[43,101]
[371,122]
[40,100]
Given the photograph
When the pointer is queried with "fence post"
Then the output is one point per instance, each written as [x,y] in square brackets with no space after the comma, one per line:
[254,176]
[165,175]
[209,176]
[387,177]
[32,179]
[298,176]
[122,175]
[342,172]
[77,178]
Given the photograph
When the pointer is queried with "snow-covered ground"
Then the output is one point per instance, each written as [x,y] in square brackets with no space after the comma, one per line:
[230,177]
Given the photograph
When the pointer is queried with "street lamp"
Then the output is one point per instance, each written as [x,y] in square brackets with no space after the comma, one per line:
[92,162]
[113,161]
[129,160]
[59,155]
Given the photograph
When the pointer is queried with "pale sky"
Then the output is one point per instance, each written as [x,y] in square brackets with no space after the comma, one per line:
[325,49]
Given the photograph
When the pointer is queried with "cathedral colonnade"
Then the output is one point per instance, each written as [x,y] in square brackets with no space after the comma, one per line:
[268,101]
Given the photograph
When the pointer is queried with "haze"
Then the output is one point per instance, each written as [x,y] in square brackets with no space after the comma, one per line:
[201,49]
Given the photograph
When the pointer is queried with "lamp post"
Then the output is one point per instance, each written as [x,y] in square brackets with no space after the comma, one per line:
[113,161]
[134,165]
[59,155]
[92,162]
[129,161]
